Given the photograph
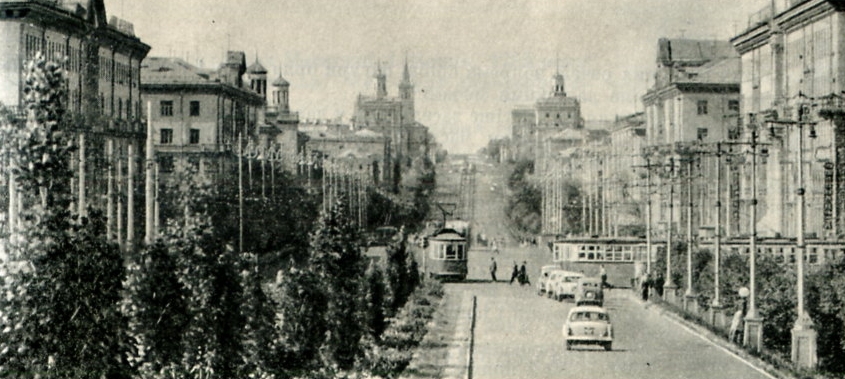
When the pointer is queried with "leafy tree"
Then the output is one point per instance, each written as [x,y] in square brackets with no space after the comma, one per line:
[375,301]
[337,262]
[157,308]
[208,269]
[260,316]
[303,302]
[398,278]
[63,279]
[826,304]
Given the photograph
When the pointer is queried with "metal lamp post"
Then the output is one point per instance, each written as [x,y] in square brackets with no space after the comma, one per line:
[669,286]
[753,332]
[690,298]
[716,307]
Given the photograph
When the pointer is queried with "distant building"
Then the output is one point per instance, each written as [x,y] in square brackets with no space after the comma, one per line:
[522,132]
[362,149]
[626,173]
[103,63]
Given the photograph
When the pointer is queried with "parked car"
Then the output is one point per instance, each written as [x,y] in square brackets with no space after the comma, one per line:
[545,272]
[589,291]
[565,284]
[588,325]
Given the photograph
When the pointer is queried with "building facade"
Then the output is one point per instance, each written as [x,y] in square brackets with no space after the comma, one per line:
[792,70]
[200,115]
[102,59]
[693,104]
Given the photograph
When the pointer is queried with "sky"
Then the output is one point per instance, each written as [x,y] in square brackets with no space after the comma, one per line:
[472,61]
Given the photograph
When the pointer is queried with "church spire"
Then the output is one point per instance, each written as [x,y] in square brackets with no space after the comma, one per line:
[381,82]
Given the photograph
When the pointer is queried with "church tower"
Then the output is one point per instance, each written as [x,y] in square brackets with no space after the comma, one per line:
[381,83]
[559,88]
[257,78]
[406,96]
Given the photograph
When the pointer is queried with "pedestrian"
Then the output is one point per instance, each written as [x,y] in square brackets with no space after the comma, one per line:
[645,282]
[515,272]
[603,274]
[736,330]
[658,284]
[523,275]
[493,269]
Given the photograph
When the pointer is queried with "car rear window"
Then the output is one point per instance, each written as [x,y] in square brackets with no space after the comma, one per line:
[589,316]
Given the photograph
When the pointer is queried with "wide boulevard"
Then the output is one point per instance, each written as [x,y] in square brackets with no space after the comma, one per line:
[518,333]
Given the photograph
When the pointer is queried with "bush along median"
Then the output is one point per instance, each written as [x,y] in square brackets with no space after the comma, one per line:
[388,357]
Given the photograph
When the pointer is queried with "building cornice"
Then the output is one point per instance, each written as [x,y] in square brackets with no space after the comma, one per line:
[207,88]
[795,16]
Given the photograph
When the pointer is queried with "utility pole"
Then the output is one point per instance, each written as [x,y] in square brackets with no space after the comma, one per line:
[753,334]
[716,307]
[669,286]
[149,191]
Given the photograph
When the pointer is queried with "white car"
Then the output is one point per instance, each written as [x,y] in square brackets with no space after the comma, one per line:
[564,284]
[588,325]
[545,273]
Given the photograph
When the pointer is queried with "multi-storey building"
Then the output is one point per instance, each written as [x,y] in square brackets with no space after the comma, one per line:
[693,104]
[199,115]
[522,132]
[103,62]
[625,167]
[792,70]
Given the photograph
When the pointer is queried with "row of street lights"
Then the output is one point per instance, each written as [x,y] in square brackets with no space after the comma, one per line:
[803,334]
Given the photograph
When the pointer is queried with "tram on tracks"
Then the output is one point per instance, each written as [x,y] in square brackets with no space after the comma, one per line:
[447,252]
[623,258]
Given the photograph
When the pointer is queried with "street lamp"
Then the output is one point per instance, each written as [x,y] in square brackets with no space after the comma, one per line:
[753,333]
[803,333]
[669,287]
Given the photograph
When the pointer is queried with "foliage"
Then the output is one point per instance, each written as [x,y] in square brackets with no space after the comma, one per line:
[157,310]
[389,357]
[302,301]
[399,285]
[208,269]
[337,262]
[826,304]
[259,314]
[375,301]
[62,279]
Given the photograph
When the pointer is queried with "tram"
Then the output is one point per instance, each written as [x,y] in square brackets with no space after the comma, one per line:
[446,256]
[623,258]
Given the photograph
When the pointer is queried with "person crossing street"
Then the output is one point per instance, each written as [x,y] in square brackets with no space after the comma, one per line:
[493,269]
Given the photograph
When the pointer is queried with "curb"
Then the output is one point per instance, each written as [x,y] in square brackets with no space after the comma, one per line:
[704,333]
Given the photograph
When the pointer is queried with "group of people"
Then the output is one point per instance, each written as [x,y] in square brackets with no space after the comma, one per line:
[647,283]
[519,273]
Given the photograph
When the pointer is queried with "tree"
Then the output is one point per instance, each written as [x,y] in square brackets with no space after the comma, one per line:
[397,275]
[302,326]
[336,260]
[157,309]
[63,280]
[208,269]
[259,314]
[375,301]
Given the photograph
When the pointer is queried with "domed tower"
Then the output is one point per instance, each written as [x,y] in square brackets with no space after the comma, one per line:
[280,99]
[406,96]
[381,83]
[257,78]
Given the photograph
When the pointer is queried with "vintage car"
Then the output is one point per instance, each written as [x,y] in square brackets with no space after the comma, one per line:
[588,291]
[564,284]
[545,273]
[588,325]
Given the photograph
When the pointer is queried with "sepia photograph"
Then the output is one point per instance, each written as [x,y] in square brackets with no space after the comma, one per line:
[444,189]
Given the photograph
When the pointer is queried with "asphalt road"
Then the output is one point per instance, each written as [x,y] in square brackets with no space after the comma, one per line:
[518,333]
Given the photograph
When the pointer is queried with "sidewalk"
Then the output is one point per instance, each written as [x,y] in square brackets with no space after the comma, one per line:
[704,333]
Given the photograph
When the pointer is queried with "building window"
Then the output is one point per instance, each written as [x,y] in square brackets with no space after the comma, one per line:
[195,108]
[166,108]
[166,136]
[733,105]
[702,134]
[195,136]
[702,107]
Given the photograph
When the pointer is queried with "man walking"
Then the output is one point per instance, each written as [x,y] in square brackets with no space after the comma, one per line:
[515,272]
[493,269]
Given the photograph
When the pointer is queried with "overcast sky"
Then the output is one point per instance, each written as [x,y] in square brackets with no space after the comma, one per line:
[472,61]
